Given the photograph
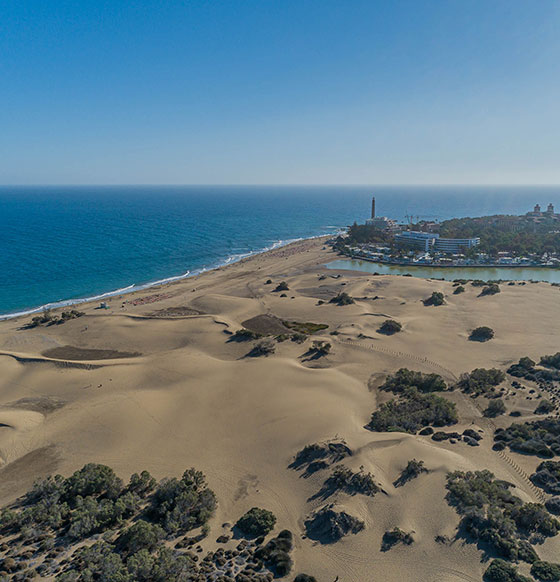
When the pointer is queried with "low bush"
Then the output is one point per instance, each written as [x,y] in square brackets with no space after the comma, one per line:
[544,407]
[491,289]
[321,348]
[328,525]
[395,536]
[390,327]
[305,578]
[501,571]
[413,411]
[257,522]
[551,361]
[481,381]
[282,286]
[307,328]
[481,334]
[495,408]
[263,348]
[343,479]
[538,437]
[547,477]
[494,516]
[459,289]
[436,299]
[405,378]
[245,335]
[546,571]
[276,553]
[412,470]
[342,299]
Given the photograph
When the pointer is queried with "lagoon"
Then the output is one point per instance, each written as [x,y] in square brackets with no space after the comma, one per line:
[549,275]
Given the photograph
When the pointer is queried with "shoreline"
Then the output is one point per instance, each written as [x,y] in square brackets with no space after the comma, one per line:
[133,288]
[161,283]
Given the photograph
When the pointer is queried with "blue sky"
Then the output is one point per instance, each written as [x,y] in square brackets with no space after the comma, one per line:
[280,92]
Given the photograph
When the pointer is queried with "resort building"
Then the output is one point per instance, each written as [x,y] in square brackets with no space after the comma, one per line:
[431,241]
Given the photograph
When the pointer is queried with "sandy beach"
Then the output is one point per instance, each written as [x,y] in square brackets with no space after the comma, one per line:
[155,382]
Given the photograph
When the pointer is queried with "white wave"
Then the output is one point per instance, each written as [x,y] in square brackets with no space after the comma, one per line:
[131,288]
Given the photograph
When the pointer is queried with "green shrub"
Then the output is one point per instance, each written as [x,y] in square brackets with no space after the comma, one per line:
[412,470]
[495,408]
[481,381]
[544,407]
[405,378]
[436,299]
[342,299]
[481,334]
[263,348]
[459,289]
[307,328]
[389,327]
[538,437]
[547,477]
[257,522]
[546,571]
[551,361]
[491,289]
[395,536]
[282,286]
[140,536]
[501,571]
[245,335]
[343,479]
[413,411]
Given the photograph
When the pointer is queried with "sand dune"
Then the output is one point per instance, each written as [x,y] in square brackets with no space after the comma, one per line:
[192,398]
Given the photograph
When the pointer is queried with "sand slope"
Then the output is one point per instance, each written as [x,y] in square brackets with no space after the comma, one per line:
[192,398]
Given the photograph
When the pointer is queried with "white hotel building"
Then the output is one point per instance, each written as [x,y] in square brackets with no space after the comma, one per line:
[430,241]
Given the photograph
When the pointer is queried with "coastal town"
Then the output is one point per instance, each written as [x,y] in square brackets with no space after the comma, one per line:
[493,241]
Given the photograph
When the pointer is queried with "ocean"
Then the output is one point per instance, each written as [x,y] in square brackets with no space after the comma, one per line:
[62,244]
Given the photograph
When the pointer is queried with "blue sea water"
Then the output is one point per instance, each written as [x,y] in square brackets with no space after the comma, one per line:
[66,243]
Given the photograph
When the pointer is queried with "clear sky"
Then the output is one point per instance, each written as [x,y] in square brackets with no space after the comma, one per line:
[279,92]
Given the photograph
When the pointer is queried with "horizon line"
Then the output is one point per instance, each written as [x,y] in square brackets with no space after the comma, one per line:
[284,185]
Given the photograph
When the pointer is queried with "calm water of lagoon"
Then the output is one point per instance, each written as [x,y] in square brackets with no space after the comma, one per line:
[451,273]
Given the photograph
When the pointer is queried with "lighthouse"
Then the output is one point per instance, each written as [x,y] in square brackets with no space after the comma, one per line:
[373,207]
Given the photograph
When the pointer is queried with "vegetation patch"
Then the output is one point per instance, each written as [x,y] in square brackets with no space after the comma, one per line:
[307,328]
[495,408]
[342,299]
[276,553]
[459,289]
[63,514]
[256,522]
[546,571]
[282,286]
[481,334]
[328,525]
[405,378]
[390,327]
[547,477]
[47,318]
[481,381]
[395,536]
[412,411]
[491,289]
[319,456]
[76,354]
[526,368]
[412,470]
[265,347]
[538,437]
[551,361]
[342,479]
[502,571]
[245,335]
[436,299]
[497,519]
